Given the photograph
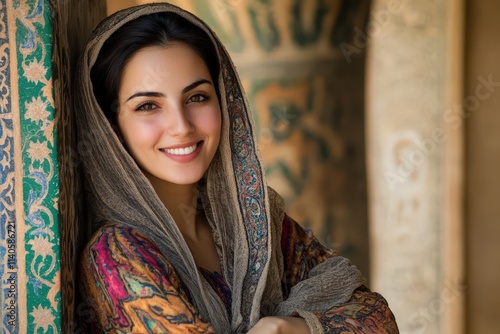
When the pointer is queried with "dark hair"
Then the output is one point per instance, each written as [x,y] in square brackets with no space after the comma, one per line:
[158,29]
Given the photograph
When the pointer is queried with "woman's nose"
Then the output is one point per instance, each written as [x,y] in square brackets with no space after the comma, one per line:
[178,122]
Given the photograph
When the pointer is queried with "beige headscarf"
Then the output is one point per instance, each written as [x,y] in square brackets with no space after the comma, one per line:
[245,214]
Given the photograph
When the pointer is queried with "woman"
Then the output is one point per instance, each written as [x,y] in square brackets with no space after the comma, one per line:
[187,236]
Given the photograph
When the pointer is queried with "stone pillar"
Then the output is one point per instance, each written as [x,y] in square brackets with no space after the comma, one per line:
[307,93]
[415,161]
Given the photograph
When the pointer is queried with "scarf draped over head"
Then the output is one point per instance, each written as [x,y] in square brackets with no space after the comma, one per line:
[245,215]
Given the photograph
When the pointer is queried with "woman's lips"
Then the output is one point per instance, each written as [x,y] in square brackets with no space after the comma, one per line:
[183,154]
[181,151]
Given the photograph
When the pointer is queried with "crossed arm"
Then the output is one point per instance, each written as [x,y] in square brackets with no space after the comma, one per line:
[133,288]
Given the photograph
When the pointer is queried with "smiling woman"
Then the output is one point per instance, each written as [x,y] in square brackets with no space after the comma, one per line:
[187,235]
[172,130]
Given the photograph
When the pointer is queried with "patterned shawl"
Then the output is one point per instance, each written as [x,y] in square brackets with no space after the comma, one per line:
[244,213]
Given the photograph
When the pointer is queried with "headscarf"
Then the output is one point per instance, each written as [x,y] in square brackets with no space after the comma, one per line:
[245,215]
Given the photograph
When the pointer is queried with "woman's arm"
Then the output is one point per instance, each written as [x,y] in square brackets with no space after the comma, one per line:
[131,287]
[365,312]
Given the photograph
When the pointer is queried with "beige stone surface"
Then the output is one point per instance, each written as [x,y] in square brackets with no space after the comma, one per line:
[409,93]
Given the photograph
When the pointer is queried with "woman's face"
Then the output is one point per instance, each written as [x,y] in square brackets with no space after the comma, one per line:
[169,116]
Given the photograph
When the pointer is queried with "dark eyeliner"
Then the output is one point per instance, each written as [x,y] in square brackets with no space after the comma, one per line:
[138,108]
[204,96]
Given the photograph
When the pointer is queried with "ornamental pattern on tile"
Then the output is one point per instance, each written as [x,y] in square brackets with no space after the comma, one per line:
[8,263]
[39,150]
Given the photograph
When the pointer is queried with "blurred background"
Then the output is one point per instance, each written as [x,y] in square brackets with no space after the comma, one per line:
[378,123]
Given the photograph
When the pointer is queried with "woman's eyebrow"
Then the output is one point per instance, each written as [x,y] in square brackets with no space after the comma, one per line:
[150,94]
[158,94]
[195,84]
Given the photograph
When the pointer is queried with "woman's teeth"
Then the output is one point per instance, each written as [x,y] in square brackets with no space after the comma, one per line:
[180,151]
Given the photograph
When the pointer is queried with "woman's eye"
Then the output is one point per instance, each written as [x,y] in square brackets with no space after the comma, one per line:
[148,106]
[198,98]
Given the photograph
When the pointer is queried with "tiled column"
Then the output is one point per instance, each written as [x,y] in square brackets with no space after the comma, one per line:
[29,225]
[33,61]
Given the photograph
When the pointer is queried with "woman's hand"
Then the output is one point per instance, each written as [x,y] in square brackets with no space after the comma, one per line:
[280,325]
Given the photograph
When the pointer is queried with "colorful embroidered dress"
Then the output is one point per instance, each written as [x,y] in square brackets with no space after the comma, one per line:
[131,287]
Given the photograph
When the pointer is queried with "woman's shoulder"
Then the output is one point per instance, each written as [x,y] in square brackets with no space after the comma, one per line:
[114,240]
[117,250]
[117,233]
[110,231]
[123,275]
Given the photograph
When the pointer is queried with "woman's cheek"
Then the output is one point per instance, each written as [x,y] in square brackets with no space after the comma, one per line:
[212,120]
[144,132]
